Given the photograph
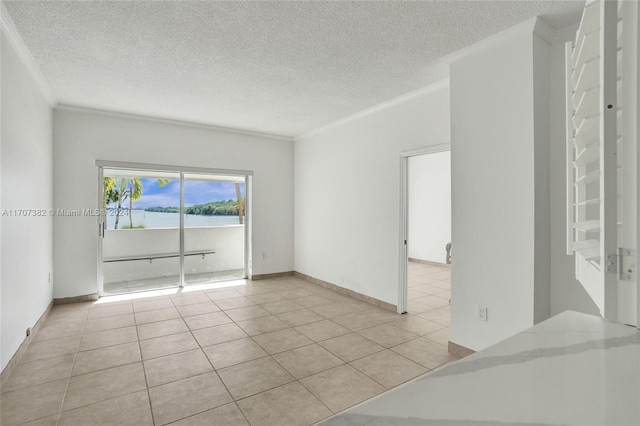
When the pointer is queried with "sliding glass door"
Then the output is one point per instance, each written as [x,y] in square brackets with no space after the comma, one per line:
[167,228]
[140,245]
[213,227]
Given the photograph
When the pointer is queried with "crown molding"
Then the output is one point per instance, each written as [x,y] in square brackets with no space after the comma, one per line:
[172,121]
[525,27]
[14,37]
[438,85]
[566,34]
[543,30]
[534,25]
[551,36]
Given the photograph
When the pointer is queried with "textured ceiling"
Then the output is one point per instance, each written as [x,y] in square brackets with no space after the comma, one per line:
[277,67]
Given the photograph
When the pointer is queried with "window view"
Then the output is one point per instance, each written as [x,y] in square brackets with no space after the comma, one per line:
[139,203]
[130,201]
[141,246]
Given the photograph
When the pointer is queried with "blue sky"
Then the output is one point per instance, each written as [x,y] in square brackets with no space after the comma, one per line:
[195,192]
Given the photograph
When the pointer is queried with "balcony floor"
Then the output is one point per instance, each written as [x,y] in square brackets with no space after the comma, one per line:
[156,283]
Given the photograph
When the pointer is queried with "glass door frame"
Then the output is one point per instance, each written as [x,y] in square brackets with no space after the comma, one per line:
[248,180]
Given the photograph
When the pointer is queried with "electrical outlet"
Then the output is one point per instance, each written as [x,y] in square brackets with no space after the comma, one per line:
[264,256]
[482,313]
[49,277]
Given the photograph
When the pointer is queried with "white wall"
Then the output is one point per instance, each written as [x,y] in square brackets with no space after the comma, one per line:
[430,206]
[26,184]
[226,241]
[81,137]
[542,218]
[347,181]
[496,191]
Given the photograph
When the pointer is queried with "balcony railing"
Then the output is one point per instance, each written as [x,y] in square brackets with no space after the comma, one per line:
[145,255]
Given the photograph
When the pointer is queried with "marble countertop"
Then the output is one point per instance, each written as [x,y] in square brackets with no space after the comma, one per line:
[572,369]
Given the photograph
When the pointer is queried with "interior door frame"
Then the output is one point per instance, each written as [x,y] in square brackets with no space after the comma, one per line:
[248,179]
[403,282]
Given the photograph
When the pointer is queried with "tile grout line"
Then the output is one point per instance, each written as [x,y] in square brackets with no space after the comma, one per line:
[268,355]
[371,378]
[343,363]
[252,337]
[75,357]
[429,369]
[144,370]
[209,361]
[346,408]
[445,326]
[321,402]
[102,369]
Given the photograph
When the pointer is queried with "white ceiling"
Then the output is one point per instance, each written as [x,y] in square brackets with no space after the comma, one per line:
[276,67]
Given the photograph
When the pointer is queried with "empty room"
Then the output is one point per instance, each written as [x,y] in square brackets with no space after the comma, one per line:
[327,212]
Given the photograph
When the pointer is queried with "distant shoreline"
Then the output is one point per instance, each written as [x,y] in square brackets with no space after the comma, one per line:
[124,211]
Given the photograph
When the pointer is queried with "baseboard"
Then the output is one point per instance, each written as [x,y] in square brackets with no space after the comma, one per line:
[345,291]
[75,299]
[24,346]
[273,275]
[429,262]
[459,351]
[92,297]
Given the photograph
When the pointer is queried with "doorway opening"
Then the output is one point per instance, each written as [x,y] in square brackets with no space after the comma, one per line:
[165,227]
[425,243]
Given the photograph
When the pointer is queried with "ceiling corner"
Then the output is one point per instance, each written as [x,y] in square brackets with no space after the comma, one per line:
[543,30]
[566,34]
[14,37]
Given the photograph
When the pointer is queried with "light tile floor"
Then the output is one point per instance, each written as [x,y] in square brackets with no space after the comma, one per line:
[273,352]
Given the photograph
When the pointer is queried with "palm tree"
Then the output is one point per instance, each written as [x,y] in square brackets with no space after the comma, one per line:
[119,190]
[135,193]
[240,204]
[110,193]
[131,189]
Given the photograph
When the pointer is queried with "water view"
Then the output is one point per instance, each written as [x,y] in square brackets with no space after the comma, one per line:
[167,220]
[151,202]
